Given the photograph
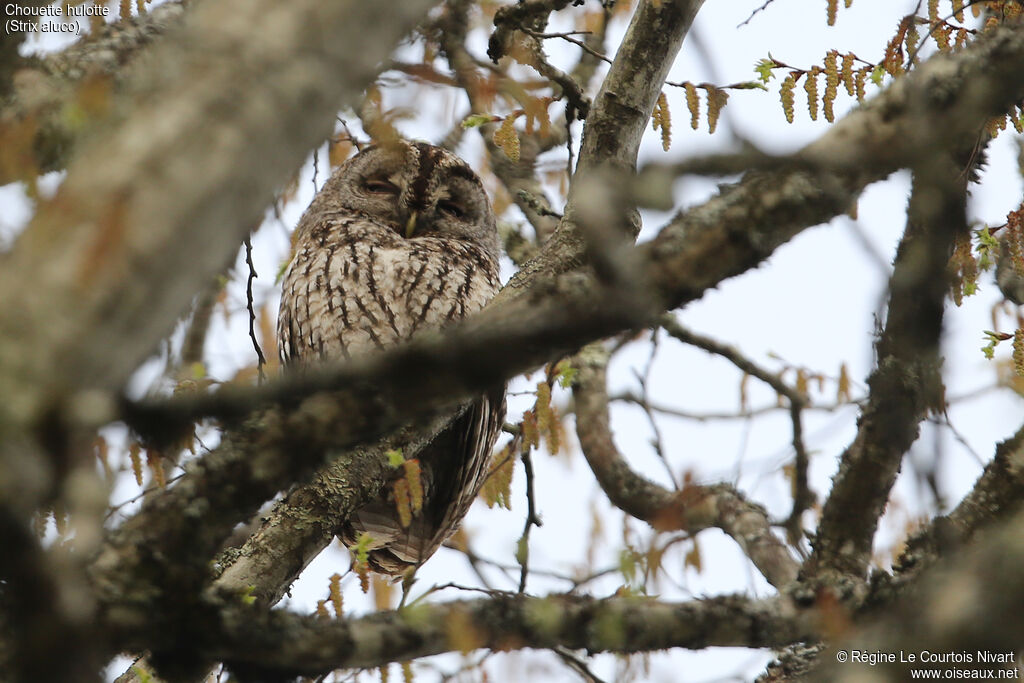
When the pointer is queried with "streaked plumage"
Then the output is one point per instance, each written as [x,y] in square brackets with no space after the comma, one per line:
[401,238]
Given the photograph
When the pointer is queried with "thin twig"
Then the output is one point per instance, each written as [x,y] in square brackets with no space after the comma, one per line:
[451,584]
[316,168]
[141,494]
[576,664]
[657,442]
[802,496]
[741,415]
[944,421]
[475,560]
[569,37]
[571,89]
[261,360]
[353,139]
[532,520]
[759,9]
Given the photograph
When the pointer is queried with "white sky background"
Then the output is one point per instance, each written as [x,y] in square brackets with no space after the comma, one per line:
[811,304]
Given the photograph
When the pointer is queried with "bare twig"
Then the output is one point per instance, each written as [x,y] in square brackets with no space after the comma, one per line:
[532,520]
[577,664]
[260,359]
[752,14]
[568,37]
[644,379]
[744,414]
[572,91]
[802,496]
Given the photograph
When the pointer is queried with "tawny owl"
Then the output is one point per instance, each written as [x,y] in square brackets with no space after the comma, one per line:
[401,238]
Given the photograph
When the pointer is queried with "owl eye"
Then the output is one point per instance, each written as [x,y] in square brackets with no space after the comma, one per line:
[378,186]
[450,208]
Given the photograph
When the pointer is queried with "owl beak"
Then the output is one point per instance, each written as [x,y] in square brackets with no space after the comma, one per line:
[410,226]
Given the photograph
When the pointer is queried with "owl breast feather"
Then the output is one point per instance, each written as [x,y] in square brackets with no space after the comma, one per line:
[355,291]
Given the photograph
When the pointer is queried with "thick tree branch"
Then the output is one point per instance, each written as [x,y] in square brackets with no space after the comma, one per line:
[261,644]
[907,382]
[288,537]
[615,124]
[169,543]
[281,446]
[692,509]
[743,225]
[294,532]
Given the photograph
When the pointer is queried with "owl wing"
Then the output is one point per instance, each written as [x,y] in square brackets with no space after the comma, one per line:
[454,466]
[479,429]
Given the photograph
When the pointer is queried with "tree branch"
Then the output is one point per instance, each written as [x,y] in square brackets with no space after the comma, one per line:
[907,382]
[294,532]
[747,222]
[615,124]
[692,509]
[802,497]
[969,603]
[996,496]
[261,644]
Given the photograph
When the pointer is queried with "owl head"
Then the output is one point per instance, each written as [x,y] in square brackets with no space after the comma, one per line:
[416,189]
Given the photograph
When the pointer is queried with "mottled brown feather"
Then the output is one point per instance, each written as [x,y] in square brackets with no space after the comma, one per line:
[357,284]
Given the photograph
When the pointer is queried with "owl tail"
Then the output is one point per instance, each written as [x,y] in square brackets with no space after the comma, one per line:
[392,548]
